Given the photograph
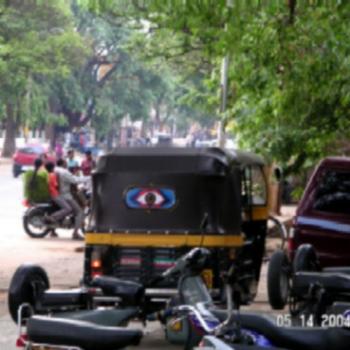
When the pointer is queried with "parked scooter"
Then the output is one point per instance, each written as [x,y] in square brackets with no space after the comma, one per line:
[74,323]
[188,318]
[97,329]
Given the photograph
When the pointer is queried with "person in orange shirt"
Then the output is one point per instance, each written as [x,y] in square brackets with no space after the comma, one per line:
[64,206]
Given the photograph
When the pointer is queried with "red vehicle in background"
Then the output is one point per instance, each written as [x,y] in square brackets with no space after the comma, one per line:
[323,214]
[24,157]
[321,230]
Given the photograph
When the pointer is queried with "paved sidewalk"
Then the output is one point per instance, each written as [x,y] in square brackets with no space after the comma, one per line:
[4,161]
[8,333]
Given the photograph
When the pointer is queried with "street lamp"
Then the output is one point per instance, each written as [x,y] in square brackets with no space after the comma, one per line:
[223,90]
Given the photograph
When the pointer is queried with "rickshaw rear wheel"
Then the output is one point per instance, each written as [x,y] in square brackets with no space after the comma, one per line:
[26,286]
[278,277]
[306,259]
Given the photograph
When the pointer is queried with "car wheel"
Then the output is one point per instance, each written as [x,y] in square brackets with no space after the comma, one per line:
[33,223]
[278,277]
[306,259]
[26,286]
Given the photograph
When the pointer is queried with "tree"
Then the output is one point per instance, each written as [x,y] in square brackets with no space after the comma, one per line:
[289,68]
[291,80]
[38,41]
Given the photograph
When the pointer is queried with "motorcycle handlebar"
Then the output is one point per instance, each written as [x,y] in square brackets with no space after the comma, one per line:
[191,258]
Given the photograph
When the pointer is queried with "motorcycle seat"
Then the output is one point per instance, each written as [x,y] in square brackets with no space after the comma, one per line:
[46,204]
[331,282]
[337,269]
[129,291]
[71,297]
[297,337]
[106,317]
[86,335]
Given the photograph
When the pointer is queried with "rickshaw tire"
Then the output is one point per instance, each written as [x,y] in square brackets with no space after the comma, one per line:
[26,217]
[306,259]
[278,268]
[21,288]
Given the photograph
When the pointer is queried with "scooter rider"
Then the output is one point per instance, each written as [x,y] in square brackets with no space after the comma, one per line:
[66,180]
[56,196]
[36,184]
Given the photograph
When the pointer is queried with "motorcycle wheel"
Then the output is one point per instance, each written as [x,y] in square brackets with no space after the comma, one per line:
[26,286]
[32,223]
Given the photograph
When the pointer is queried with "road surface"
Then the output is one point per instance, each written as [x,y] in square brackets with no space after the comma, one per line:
[58,256]
[61,257]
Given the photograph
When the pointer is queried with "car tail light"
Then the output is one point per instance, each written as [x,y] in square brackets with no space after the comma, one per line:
[291,241]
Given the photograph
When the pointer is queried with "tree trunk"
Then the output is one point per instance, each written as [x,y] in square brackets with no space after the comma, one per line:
[110,139]
[292,5]
[157,118]
[273,188]
[9,146]
[50,135]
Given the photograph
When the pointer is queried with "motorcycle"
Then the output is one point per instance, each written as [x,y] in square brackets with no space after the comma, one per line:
[67,320]
[191,318]
[100,329]
[231,329]
[36,221]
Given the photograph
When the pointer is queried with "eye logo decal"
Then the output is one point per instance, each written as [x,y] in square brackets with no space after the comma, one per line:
[150,198]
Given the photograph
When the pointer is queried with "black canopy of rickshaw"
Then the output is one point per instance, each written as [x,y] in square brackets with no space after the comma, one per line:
[205,181]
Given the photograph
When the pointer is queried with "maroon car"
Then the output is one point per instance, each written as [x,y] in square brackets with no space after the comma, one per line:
[323,215]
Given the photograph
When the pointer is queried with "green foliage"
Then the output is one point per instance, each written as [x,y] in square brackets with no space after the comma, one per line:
[289,67]
[37,43]
[288,93]
[292,83]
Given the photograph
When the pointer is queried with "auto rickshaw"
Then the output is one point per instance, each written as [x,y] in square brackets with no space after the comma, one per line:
[152,205]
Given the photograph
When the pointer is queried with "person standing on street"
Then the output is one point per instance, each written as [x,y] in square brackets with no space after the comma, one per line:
[58,149]
[72,163]
[88,164]
[66,181]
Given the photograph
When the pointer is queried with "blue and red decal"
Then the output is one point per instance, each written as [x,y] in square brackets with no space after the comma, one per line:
[150,198]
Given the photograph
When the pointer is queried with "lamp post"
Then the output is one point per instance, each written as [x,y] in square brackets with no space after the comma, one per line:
[223,90]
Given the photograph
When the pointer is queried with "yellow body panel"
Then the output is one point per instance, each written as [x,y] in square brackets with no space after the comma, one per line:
[256,213]
[163,240]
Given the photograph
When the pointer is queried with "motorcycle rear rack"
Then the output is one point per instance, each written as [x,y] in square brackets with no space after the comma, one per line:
[28,345]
